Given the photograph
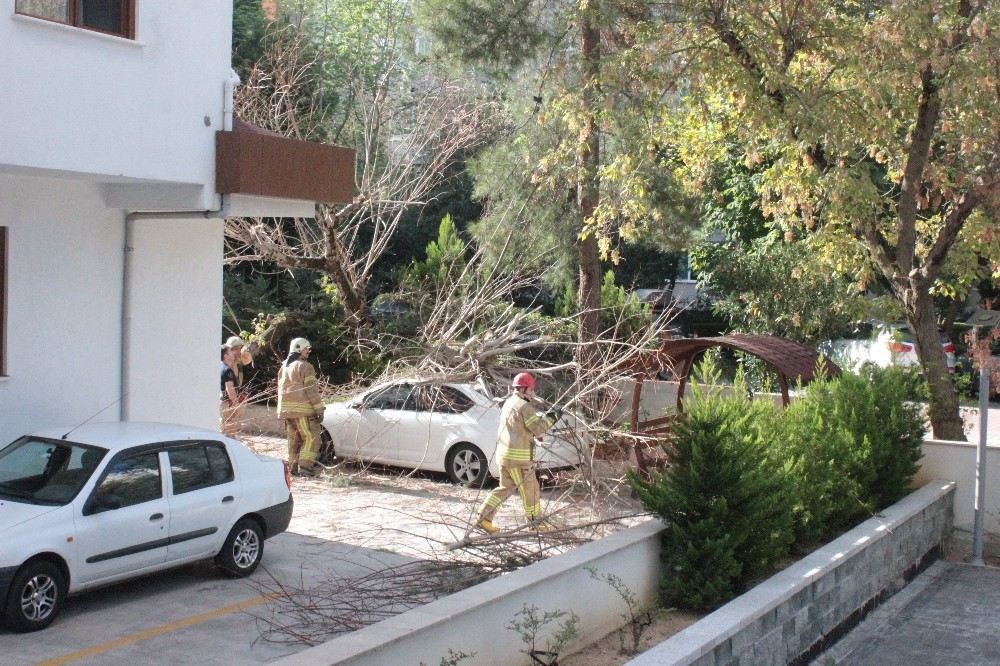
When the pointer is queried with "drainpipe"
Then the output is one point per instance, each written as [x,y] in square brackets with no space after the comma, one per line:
[128,259]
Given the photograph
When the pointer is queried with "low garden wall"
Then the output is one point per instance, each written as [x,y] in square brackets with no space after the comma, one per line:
[957,461]
[795,614]
[475,619]
[787,618]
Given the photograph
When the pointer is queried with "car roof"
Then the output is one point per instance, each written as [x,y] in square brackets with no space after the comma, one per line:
[117,435]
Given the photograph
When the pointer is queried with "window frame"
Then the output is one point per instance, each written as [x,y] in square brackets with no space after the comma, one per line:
[89,507]
[75,11]
[203,446]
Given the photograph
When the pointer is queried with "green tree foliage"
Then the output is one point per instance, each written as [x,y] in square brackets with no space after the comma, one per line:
[770,287]
[249,26]
[723,499]
[578,158]
[879,123]
[445,261]
[622,315]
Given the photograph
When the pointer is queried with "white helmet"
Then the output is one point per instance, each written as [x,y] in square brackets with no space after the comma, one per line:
[299,345]
[235,341]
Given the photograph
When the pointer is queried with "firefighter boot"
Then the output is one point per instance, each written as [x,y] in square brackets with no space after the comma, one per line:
[487,526]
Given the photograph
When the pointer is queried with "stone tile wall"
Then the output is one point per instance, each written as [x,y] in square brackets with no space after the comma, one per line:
[794,615]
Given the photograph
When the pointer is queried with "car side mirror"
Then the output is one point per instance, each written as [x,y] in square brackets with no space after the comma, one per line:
[357,405]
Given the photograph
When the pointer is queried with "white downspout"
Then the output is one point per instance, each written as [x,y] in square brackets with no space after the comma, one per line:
[128,259]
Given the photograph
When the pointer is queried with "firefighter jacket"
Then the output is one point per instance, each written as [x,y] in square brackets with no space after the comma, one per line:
[520,423]
[298,394]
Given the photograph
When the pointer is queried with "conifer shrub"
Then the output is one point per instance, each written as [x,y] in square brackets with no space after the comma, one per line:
[724,500]
[746,480]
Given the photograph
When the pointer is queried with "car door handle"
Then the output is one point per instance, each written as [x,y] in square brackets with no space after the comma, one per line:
[156,516]
[227,499]
[393,420]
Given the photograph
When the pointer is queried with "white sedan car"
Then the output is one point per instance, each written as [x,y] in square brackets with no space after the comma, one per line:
[104,502]
[448,428]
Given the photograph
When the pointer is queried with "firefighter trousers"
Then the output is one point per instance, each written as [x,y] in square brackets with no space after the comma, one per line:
[513,479]
[303,442]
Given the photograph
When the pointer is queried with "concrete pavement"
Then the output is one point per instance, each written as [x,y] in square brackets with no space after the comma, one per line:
[949,614]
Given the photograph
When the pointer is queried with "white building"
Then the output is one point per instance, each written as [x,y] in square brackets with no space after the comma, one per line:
[115,130]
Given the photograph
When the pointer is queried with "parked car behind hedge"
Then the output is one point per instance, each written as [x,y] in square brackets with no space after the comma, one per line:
[881,345]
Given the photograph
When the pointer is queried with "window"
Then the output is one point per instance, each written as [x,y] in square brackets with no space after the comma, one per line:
[38,471]
[3,301]
[196,467]
[684,272]
[397,396]
[128,481]
[116,17]
[446,400]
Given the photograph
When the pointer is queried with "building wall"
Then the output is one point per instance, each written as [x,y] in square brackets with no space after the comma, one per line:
[111,109]
[64,311]
[176,322]
[63,316]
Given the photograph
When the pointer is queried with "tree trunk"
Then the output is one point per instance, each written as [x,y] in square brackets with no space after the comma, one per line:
[588,195]
[943,410]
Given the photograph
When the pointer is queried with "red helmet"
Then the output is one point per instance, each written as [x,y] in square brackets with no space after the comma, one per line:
[523,380]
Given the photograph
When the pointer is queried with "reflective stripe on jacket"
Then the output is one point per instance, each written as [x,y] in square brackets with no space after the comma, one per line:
[298,394]
[520,423]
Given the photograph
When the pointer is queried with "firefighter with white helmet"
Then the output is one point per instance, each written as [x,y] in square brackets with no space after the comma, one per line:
[520,423]
[299,404]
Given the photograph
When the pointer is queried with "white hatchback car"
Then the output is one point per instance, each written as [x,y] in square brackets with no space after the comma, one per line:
[108,501]
[445,427]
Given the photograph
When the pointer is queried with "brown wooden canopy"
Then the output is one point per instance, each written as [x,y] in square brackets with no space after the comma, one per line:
[792,361]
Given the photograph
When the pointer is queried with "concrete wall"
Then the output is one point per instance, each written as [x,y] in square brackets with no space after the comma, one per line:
[474,619]
[789,614]
[63,304]
[659,398]
[176,322]
[64,316]
[956,461]
[87,104]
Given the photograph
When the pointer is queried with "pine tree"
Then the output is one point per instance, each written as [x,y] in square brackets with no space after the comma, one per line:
[724,501]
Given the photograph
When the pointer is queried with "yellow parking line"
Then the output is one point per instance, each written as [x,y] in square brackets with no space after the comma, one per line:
[157,631]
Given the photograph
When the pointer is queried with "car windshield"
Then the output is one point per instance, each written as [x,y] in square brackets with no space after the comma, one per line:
[43,471]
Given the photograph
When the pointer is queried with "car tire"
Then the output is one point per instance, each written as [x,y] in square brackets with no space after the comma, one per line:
[243,549]
[35,596]
[467,466]
[327,451]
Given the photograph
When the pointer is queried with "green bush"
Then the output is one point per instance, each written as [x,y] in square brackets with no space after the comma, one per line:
[745,478]
[824,459]
[724,500]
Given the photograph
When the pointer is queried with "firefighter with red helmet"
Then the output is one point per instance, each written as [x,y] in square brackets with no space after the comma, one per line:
[520,423]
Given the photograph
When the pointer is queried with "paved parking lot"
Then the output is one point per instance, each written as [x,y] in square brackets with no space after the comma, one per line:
[345,525]
[189,615]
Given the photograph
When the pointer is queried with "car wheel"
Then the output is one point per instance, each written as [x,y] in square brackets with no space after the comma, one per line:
[466,465]
[243,549]
[327,451]
[35,596]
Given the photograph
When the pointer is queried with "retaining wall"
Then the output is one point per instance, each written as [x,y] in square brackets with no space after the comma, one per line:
[474,619]
[957,461]
[794,615]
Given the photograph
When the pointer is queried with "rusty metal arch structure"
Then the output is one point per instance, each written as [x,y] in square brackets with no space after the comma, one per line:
[792,361]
